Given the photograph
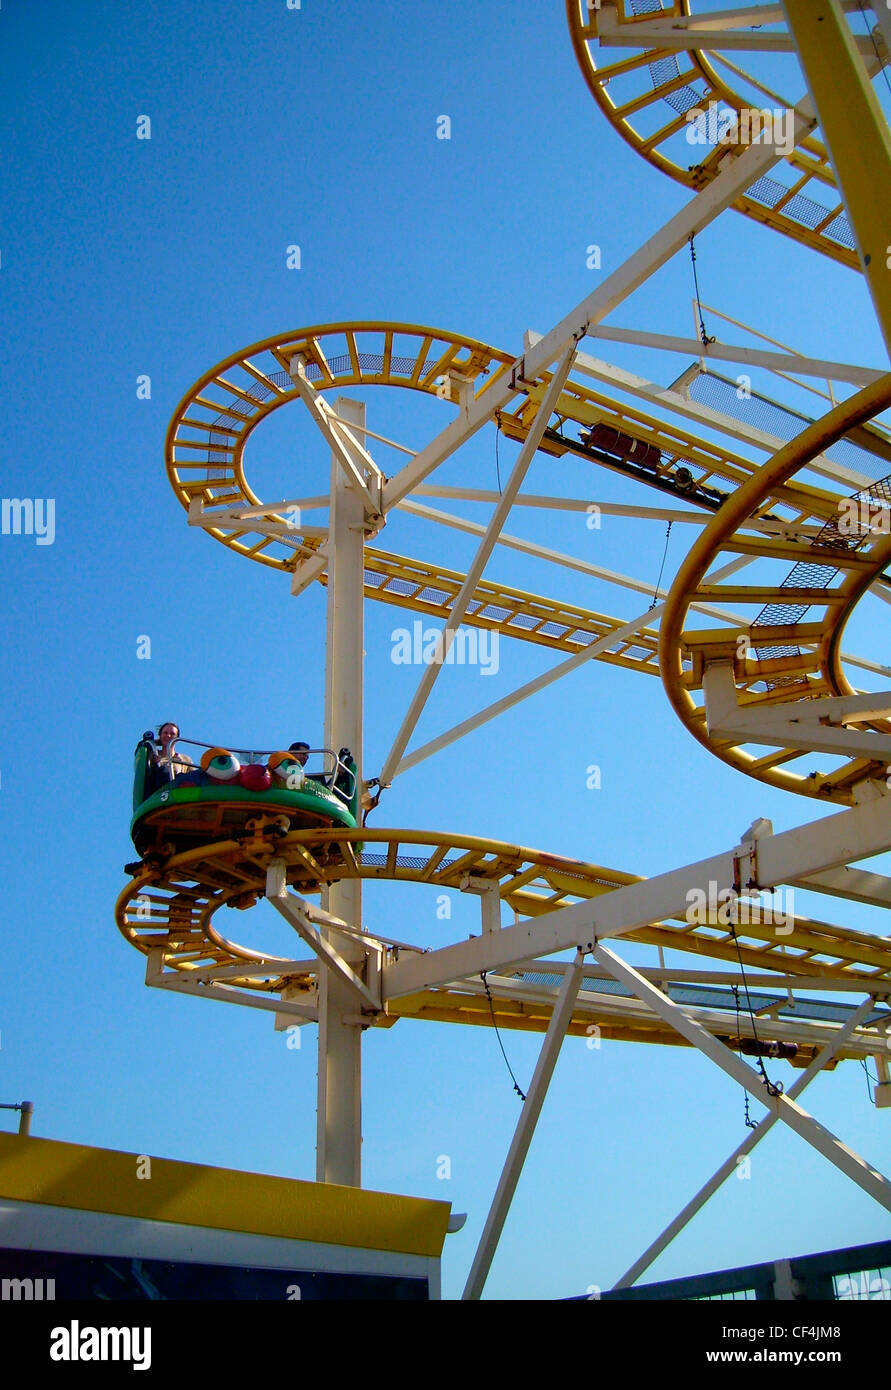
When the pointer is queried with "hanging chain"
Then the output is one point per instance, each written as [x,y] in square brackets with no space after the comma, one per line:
[773,1088]
[702,330]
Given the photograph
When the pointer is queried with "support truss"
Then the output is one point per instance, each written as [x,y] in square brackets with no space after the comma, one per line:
[781,1106]
[731,1164]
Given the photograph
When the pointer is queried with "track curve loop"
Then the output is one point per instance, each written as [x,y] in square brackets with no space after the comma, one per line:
[778,659]
[632,85]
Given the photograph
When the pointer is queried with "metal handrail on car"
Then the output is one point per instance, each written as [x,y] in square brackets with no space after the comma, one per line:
[334,769]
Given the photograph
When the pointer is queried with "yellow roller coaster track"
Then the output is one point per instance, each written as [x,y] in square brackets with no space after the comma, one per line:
[210,429]
[173,909]
[635,87]
[770,665]
[783,517]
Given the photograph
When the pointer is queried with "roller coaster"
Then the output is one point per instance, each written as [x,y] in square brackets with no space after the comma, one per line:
[803,500]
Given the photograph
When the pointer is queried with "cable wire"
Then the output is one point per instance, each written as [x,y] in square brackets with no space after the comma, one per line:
[661,567]
[702,330]
[870,1079]
[521,1094]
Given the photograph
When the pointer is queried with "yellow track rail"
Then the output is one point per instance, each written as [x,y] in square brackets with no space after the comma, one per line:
[174,908]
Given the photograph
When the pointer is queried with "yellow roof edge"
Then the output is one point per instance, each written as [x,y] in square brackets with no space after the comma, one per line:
[56,1173]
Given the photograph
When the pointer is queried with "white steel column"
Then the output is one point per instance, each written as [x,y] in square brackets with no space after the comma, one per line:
[339,1123]
[513,1165]
[754,1137]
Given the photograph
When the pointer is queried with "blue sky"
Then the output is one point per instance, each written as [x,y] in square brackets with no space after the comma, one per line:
[121,257]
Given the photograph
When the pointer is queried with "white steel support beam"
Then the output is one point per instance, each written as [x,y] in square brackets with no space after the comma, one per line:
[294,911]
[698,308]
[578,504]
[701,210]
[755,357]
[488,890]
[781,1106]
[860,662]
[310,569]
[371,434]
[745,17]
[759,980]
[532,687]
[804,725]
[523,692]
[480,560]
[854,709]
[350,456]
[358,465]
[513,1166]
[288,535]
[339,1131]
[757,525]
[605,1007]
[556,557]
[730,1164]
[676,34]
[822,844]
[177,982]
[259,970]
[202,515]
[858,885]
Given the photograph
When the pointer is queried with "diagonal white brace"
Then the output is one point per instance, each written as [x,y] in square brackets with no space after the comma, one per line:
[296,913]
[823,1058]
[731,352]
[602,644]
[480,560]
[354,459]
[513,1165]
[784,1108]
[672,399]
[720,194]
[308,570]
[858,885]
